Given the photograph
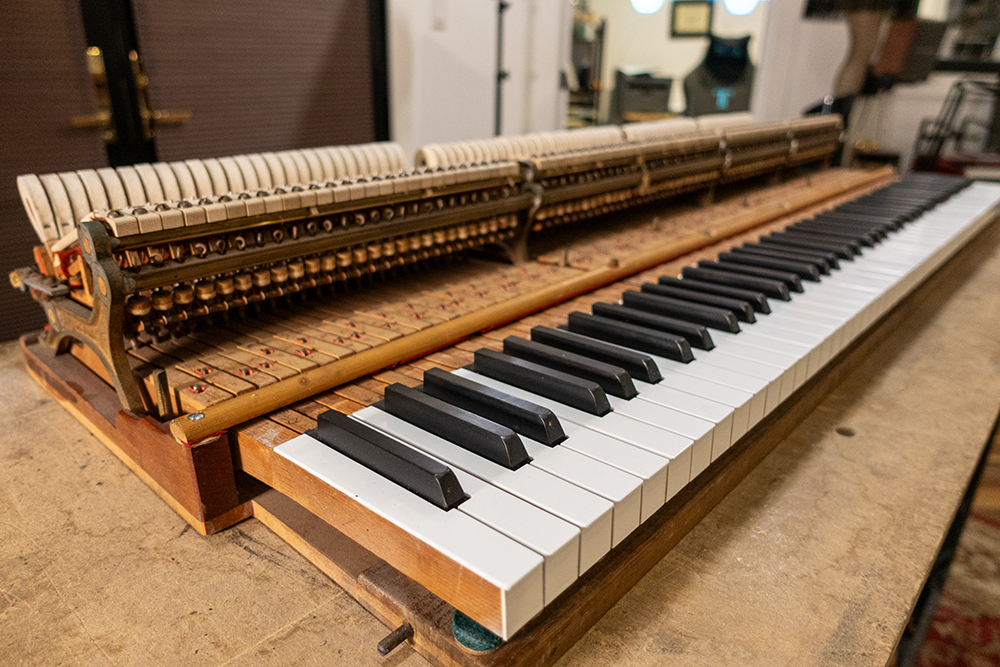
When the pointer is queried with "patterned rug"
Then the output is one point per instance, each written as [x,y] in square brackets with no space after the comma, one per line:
[965,631]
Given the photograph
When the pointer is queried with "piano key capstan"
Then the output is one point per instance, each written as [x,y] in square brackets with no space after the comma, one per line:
[616,410]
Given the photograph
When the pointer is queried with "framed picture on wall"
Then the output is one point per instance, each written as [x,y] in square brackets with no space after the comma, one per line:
[691,18]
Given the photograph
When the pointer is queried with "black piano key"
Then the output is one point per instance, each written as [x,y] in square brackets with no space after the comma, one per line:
[468,430]
[739,307]
[883,223]
[805,253]
[821,264]
[801,269]
[414,471]
[530,420]
[773,288]
[614,380]
[866,238]
[711,316]
[568,389]
[875,224]
[639,366]
[793,282]
[696,334]
[824,237]
[756,298]
[632,336]
[842,251]
[868,234]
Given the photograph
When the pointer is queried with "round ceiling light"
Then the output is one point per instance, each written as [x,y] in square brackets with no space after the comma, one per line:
[739,7]
[647,6]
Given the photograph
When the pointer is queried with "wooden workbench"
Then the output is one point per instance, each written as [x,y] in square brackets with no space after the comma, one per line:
[816,558]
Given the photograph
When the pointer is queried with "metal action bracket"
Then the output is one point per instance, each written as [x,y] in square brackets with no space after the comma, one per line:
[99,327]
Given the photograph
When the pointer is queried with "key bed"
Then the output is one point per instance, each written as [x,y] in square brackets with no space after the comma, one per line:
[701,408]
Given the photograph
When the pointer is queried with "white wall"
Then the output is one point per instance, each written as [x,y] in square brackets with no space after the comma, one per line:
[632,38]
[893,119]
[442,69]
[798,63]
[442,59]
[537,35]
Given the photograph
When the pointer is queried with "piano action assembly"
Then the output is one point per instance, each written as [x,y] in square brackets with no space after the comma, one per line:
[374,361]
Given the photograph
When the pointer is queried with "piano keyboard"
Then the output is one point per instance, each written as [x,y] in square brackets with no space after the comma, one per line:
[618,409]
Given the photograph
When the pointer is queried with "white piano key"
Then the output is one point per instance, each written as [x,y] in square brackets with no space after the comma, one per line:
[426,157]
[754,386]
[650,468]
[592,514]
[555,540]
[609,482]
[669,445]
[701,432]
[513,568]
[373,186]
[95,189]
[168,182]
[730,345]
[718,414]
[275,201]
[780,382]
[341,192]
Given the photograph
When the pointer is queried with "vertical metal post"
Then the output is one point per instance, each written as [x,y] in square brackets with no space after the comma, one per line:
[501,74]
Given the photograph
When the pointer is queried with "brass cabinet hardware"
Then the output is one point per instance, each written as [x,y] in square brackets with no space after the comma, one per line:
[151,117]
[102,119]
